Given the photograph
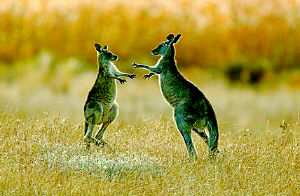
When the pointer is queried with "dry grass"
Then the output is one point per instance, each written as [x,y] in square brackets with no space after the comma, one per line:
[42,152]
[46,47]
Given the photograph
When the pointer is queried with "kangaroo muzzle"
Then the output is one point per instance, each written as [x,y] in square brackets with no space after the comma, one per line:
[115,57]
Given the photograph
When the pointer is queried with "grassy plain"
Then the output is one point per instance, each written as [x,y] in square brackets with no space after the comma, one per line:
[47,66]
[42,150]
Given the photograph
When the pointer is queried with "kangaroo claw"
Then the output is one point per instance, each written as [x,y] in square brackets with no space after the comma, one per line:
[122,81]
[131,76]
[148,76]
[135,65]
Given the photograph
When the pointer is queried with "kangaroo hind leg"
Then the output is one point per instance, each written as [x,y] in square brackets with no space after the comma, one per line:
[213,137]
[88,137]
[107,120]
[93,114]
[202,134]
[86,125]
[185,130]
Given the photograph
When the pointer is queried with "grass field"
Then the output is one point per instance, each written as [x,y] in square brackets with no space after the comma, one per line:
[42,149]
[48,65]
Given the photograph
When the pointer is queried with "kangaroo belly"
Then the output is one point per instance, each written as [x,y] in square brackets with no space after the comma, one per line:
[170,96]
[104,93]
[177,91]
[170,92]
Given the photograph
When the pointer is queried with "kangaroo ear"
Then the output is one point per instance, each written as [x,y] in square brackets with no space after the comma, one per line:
[176,38]
[105,47]
[98,47]
[170,37]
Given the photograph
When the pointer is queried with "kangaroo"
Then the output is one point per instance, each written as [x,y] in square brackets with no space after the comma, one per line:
[100,106]
[192,110]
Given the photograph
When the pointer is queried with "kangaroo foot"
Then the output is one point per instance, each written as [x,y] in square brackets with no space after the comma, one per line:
[87,142]
[101,143]
[213,153]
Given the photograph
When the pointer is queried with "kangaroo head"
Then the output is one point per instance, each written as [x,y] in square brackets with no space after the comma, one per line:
[104,54]
[166,48]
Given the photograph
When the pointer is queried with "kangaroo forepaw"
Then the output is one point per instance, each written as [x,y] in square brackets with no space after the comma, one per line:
[122,81]
[131,76]
[135,65]
[148,76]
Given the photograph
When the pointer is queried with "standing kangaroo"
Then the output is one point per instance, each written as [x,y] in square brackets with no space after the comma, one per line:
[100,106]
[192,111]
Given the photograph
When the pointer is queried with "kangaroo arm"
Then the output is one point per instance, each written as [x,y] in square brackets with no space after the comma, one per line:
[111,74]
[154,69]
[117,78]
[114,72]
[120,74]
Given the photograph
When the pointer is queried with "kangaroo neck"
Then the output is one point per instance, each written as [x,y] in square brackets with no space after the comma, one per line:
[102,72]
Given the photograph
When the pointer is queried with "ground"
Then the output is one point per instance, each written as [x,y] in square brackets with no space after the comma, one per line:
[42,150]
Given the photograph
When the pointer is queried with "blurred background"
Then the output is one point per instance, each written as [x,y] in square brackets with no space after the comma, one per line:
[244,55]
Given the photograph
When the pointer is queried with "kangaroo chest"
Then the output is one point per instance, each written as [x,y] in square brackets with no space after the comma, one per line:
[104,91]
